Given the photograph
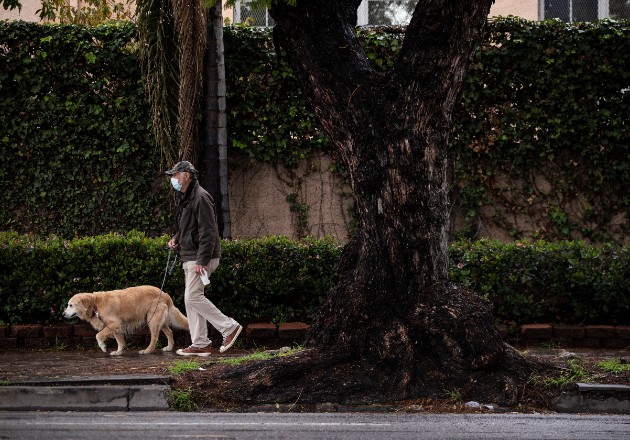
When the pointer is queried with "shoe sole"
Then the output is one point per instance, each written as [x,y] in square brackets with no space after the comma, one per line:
[193,354]
[225,348]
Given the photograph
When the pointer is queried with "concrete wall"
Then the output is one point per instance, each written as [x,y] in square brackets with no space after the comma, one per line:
[527,9]
[262,197]
[312,200]
[523,8]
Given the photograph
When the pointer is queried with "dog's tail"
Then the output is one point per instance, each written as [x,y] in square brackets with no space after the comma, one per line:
[177,318]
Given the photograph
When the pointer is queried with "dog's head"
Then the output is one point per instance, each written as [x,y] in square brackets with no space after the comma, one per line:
[80,305]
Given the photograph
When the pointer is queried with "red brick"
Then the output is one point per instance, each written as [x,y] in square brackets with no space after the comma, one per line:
[57,330]
[537,331]
[591,343]
[83,330]
[293,331]
[568,331]
[261,331]
[26,331]
[622,331]
[35,343]
[615,343]
[600,331]
[6,343]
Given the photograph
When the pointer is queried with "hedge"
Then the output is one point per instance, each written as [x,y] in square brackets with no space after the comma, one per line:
[275,279]
[270,279]
[541,97]
[565,282]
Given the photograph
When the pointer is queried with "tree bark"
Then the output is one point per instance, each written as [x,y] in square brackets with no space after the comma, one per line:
[394,327]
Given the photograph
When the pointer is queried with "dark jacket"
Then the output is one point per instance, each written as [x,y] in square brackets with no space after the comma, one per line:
[197,230]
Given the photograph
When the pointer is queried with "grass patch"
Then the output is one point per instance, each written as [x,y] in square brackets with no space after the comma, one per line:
[59,345]
[183,366]
[575,372]
[181,400]
[613,366]
[259,356]
[454,395]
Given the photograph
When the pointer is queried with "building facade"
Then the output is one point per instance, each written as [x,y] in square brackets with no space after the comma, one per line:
[398,12]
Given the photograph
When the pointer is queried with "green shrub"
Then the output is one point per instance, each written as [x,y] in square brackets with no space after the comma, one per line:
[275,279]
[564,282]
[271,279]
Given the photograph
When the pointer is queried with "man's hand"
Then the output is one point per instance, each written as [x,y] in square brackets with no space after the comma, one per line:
[199,269]
[173,244]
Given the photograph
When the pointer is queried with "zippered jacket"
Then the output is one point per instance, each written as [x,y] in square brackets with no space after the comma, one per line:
[197,229]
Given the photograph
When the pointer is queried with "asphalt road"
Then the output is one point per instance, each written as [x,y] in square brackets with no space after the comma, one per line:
[337,426]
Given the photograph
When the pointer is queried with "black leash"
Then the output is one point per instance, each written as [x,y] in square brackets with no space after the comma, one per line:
[166,271]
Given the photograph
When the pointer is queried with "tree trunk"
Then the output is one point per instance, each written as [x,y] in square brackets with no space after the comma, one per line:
[214,167]
[394,328]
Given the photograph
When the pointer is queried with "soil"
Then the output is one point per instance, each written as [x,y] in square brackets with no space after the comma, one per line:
[566,368]
[536,395]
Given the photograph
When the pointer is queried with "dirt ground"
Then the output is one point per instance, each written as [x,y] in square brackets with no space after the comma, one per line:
[537,395]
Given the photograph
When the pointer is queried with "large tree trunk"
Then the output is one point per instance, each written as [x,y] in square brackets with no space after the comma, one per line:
[394,327]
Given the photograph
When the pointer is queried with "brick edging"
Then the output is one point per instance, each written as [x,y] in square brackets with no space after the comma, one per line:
[290,333]
[82,335]
[562,335]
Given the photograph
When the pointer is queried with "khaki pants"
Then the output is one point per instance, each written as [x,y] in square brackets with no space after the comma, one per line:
[200,310]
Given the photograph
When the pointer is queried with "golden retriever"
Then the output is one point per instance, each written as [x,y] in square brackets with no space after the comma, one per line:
[115,313]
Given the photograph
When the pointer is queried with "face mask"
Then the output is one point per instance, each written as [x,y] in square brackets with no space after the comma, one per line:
[176,184]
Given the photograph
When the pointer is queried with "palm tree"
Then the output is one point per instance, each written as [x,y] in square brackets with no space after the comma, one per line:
[182,53]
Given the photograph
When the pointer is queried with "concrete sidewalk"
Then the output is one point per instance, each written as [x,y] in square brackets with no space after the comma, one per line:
[90,380]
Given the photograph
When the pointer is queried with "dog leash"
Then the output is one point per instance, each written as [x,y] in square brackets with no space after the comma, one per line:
[166,271]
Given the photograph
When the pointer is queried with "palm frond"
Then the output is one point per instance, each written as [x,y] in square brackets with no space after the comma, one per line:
[160,65]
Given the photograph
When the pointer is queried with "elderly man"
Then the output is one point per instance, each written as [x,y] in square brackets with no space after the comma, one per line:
[197,240]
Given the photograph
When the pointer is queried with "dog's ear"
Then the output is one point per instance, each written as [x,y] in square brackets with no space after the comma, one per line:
[85,301]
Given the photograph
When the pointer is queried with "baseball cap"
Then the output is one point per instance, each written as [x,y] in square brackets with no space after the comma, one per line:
[183,166]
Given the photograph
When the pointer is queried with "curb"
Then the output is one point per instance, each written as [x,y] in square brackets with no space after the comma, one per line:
[595,399]
[106,393]
[120,394]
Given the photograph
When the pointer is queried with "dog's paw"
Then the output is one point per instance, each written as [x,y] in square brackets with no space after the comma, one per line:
[116,353]
[145,351]
[168,348]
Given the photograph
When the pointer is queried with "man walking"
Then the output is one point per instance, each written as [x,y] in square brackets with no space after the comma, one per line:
[198,242]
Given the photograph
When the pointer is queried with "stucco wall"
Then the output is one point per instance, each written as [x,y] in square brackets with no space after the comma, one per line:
[527,9]
[312,200]
[262,197]
[523,8]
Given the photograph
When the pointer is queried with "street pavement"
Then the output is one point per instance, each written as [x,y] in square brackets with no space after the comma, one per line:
[90,380]
[309,426]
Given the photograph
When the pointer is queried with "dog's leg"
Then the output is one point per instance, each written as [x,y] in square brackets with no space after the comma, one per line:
[169,336]
[158,320]
[120,339]
[101,337]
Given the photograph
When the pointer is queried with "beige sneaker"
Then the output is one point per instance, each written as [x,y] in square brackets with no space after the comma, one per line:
[231,338]
[195,351]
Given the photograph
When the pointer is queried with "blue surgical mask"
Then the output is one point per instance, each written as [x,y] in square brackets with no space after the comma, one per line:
[176,184]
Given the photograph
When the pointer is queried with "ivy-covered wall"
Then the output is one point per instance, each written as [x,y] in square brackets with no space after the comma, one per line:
[540,133]
[77,157]
[543,130]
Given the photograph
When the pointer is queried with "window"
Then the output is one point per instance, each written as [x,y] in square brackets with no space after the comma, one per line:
[245,13]
[370,12]
[584,10]
[385,12]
